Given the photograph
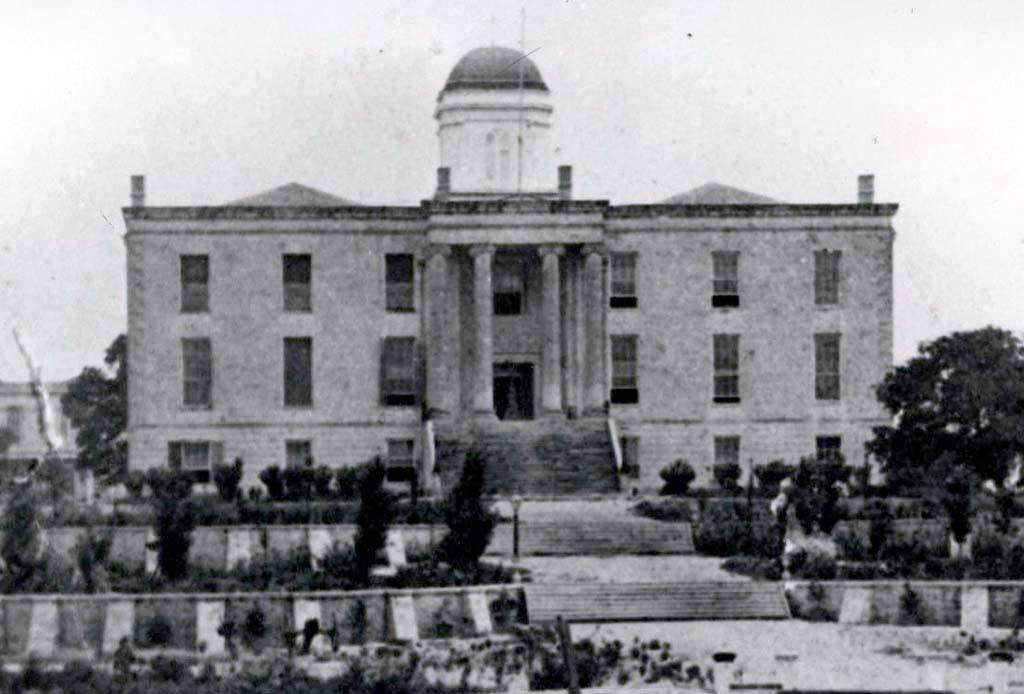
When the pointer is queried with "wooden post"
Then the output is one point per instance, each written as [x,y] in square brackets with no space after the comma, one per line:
[568,655]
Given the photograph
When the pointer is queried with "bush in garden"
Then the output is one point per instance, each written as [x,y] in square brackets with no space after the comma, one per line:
[227,478]
[20,546]
[470,522]
[273,480]
[134,482]
[322,476]
[298,481]
[668,510]
[92,551]
[346,482]
[849,543]
[812,565]
[770,476]
[911,608]
[880,524]
[254,627]
[1006,508]
[736,528]
[816,491]
[677,478]
[174,521]
[957,502]
[372,520]
[727,475]
[157,630]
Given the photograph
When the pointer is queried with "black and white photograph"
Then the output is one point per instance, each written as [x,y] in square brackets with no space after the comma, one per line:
[473,347]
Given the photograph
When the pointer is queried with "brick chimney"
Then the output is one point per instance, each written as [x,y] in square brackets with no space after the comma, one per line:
[444,183]
[866,189]
[138,191]
[565,182]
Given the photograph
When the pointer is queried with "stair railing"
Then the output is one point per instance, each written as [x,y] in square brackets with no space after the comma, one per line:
[613,433]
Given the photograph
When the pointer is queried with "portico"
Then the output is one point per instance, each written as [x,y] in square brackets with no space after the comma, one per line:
[527,309]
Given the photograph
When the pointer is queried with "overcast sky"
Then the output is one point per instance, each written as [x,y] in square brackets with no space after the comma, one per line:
[216,100]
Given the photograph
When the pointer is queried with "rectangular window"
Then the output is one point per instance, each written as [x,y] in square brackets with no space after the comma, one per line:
[727,368]
[727,450]
[197,364]
[398,371]
[401,466]
[631,456]
[826,277]
[725,282]
[14,422]
[195,457]
[509,286]
[298,371]
[826,366]
[298,453]
[298,275]
[624,382]
[195,283]
[398,282]
[829,448]
[623,294]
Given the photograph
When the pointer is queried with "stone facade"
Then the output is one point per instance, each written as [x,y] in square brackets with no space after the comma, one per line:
[513,316]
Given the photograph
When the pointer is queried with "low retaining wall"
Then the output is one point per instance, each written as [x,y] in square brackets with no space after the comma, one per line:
[967,604]
[94,625]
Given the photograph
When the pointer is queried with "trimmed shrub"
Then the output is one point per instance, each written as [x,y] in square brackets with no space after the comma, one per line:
[668,510]
[273,480]
[322,476]
[677,478]
[849,543]
[812,565]
[770,476]
[727,475]
[173,523]
[470,522]
[372,520]
[157,631]
[911,607]
[227,478]
[346,482]
[727,529]
[816,490]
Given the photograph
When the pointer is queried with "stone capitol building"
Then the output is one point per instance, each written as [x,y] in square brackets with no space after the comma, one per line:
[582,346]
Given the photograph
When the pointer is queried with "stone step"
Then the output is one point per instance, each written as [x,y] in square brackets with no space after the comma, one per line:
[655,601]
[595,538]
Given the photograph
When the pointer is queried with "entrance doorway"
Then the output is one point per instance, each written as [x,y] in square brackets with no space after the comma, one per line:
[513,391]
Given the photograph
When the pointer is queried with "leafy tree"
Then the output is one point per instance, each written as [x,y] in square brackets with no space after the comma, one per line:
[372,520]
[470,522]
[172,501]
[96,404]
[727,475]
[963,395]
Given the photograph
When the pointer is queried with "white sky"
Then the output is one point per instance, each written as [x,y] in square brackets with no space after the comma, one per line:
[217,100]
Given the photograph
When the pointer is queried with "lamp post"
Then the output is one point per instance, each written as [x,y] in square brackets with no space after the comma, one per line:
[517,501]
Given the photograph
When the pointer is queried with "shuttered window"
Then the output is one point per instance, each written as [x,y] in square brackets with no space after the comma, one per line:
[826,277]
[195,283]
[298,453]
[623,289]
[298,276]
[725,279]
[624,382]
[826,366]
[727,368]
[196,458]
[298,371]
[398,371]
[399,275]
[197,363]
[829,448]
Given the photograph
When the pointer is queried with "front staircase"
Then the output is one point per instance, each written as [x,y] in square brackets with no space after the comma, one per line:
[639,602]
[541,457]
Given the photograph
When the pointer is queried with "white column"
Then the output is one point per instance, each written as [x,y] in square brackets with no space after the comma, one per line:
[552,357]
[594,390]
[483,299]
[438,336]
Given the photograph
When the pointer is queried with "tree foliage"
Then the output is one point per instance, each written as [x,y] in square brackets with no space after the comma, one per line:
[816,491]
[173,519]
[20,543]
[962,396]
[96,403]
[372,520]
[470,522]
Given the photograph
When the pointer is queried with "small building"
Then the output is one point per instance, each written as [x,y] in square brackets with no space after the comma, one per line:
[579,345]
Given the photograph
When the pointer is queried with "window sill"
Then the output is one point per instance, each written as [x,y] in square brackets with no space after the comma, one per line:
[622,302]
[400,310]
[725,401]
[298,407]
[196,408]
[195,312]
[298,310]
